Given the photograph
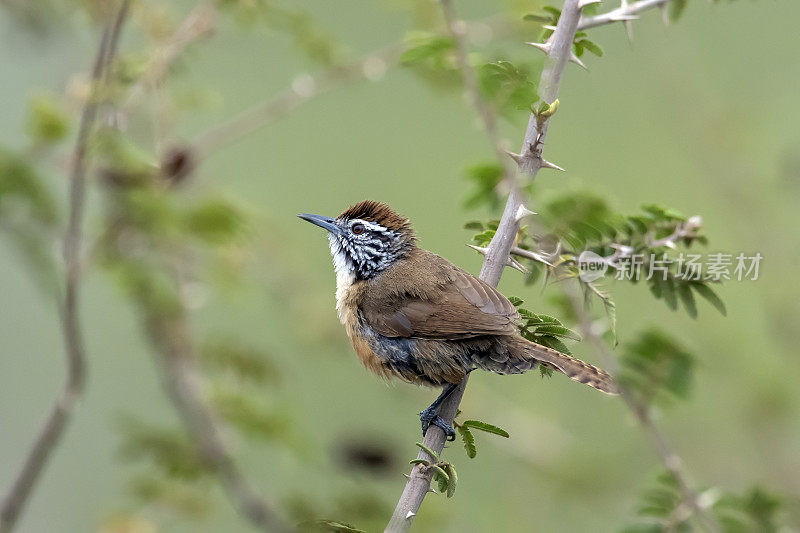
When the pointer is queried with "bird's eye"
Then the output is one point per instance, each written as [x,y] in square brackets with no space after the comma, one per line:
[357,229]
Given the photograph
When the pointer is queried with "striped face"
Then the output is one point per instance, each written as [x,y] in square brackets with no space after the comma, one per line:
[362,249]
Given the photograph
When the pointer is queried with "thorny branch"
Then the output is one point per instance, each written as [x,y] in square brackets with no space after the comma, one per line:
[53,429]
[625,14]
[669,457]
[497,255]
[530,161]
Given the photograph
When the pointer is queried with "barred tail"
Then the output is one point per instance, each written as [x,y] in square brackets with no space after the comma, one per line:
[571,367]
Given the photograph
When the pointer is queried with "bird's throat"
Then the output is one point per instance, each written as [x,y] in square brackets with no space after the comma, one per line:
[345,275]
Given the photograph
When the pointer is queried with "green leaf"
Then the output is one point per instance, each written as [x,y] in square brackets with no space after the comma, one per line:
[423,47]
[334,526]
[668,290]
[547,319]
[557,331]
[440,472]
[687,298]
[485,178]
[711,297]
[483,426]
[554,343]
[474,225]
[676,9]
[537,17]
[430,452]
[48,121]
[214,220]
[655,367]
[592,47]
[469,441]
[553,11]
[452,478]
[611,313]
[516,302]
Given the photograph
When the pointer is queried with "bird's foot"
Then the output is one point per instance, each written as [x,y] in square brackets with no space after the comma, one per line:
[430,417]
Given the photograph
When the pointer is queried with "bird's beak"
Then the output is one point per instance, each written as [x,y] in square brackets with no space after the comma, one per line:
[322,221]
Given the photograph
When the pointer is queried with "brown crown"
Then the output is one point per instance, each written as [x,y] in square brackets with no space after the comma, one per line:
[378,213]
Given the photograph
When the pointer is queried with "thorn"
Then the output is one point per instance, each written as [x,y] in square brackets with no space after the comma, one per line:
[523,212]
[510,262]
[627,23]
[406,476]
[431,489]
[557,252]
[544,47]
[516,265]
[628,30]
[411,514]
[548,164]
[549,27]
[481,250]
[664,15]
[518,159]
[575,59]
[584,3]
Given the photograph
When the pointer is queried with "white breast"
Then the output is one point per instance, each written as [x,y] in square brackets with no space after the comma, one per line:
[344,277]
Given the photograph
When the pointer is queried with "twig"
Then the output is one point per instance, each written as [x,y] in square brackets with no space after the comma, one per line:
[53,429]
[197,25]
[669,457]
[625,13]
[183,382]
[529,161]
[371,67]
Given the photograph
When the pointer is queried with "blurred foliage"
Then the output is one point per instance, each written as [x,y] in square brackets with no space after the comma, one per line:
[654,367]
[308,36]
[29,216]
[663,509]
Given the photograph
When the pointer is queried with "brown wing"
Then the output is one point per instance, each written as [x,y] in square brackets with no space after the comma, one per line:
[426,296]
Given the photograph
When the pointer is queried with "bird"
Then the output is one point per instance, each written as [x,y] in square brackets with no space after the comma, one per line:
[413,315]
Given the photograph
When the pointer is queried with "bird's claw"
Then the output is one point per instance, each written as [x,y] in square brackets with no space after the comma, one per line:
[430,417]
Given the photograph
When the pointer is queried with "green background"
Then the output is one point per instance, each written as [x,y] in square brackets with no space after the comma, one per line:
[701,116]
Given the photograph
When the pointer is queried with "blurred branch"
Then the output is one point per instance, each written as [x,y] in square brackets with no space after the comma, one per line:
[641,412]
[172,340]
[53,429]
[370,67]
[198,24]
[497,254]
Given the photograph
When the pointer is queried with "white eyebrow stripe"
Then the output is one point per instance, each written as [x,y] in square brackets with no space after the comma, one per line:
[372,226]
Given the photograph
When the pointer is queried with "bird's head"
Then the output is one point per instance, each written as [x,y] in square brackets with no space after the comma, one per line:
[366,238]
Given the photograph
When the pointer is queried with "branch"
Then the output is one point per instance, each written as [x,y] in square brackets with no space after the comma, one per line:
[53,429]
[184,384]
[370,67]
[669,457]
[530,161]
[625,14]
[197,25]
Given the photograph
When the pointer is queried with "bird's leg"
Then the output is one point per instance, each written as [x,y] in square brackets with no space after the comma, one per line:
[431,414]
